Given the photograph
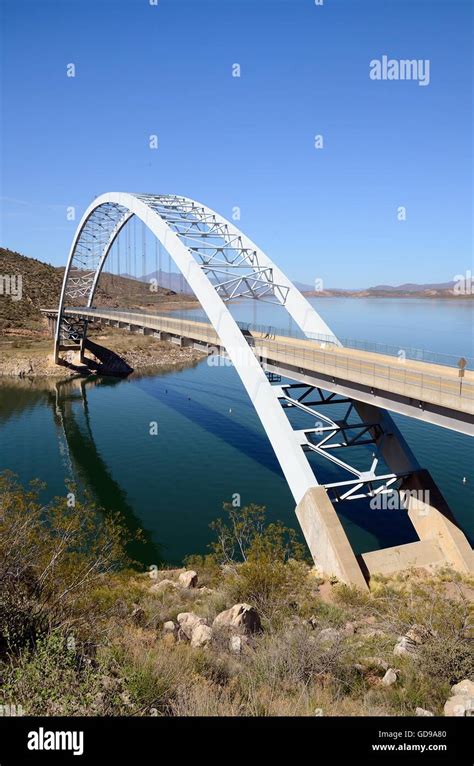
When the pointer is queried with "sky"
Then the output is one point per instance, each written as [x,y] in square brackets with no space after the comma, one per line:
[330,213]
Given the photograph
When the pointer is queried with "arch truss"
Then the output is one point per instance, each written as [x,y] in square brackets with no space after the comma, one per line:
[220,264]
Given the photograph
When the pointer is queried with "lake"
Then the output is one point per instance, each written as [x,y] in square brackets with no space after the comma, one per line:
[210,443]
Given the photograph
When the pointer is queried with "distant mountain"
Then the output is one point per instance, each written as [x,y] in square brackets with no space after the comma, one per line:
[169,280]
[406,290]
[410,287]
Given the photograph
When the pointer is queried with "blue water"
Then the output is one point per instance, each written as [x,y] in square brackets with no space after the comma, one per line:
[210,443]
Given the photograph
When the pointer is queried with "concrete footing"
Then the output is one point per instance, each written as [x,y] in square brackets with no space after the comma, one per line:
[441,542]
[434,522]
[326,539]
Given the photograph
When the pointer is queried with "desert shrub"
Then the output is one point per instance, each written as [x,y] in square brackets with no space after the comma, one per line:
[294,657]
[208,568]
[350,595]
[52,679]
[245,533]
[263,564]
[447,658]
[206,699]
[51,556]
[272,586]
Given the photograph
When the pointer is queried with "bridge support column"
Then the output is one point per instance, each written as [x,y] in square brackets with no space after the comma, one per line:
[51,323]
[326,539]
[441,541]
[434,522]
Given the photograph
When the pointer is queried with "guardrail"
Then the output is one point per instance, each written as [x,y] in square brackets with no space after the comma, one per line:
[448,390]
[387,349]
[397,378]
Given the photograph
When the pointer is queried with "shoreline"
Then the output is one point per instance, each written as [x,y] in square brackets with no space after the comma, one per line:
[23,357]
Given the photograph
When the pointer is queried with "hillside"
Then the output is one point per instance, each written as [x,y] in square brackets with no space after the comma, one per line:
[41,287]
[259,635]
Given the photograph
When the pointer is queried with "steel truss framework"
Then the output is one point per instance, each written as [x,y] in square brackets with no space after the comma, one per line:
[330,434]
[220,263]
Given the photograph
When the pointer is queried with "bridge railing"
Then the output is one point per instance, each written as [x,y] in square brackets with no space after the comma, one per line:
[399,378]
[387,349]
[405,380]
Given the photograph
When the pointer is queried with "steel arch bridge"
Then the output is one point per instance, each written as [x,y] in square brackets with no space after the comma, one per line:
[220,263]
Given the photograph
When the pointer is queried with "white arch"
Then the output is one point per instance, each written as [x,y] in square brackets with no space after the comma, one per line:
[121,207]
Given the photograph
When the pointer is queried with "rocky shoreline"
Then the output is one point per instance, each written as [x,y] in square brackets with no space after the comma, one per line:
[32,358]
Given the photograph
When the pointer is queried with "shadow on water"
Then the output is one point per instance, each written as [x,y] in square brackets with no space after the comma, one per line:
[390,527]
[86,459]
[235,434]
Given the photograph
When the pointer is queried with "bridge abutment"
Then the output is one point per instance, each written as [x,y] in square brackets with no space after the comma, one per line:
[434,522]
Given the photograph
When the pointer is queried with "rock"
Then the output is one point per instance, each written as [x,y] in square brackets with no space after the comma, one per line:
[417,634]
[459,705]
[201,635]
[404,647]
[350,628]
[237,643]
[420,711]
[188,579]
[464,687]
[169,627]
[125,697]
[312,622]
[163,585]
[241,616]
[138,615]
[188,621]
[329,634]
[206,591]
[390,677]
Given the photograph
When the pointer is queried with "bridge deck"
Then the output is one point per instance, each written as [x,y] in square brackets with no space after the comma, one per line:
[420,382]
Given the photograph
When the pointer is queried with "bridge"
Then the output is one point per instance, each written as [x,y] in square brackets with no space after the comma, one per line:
[319,374]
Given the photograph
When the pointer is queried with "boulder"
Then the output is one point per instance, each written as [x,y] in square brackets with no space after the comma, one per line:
[241,616]
[417,634]
[237,643]
[464,687]
[201,635]
[163,585]
[188,621]
[420,711]
[169,627]
[459,705]
[390,677]
[188,579]
[404,647]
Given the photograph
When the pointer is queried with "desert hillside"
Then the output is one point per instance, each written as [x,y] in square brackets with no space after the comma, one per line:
[41,287]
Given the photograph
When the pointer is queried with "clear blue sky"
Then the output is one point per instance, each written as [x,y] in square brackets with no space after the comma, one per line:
[248,141]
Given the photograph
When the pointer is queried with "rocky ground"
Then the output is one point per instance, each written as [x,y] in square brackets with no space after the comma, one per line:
[28,354]
[202,642]
[252,629]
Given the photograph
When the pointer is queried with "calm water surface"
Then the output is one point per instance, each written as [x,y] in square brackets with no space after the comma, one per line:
[210,443]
